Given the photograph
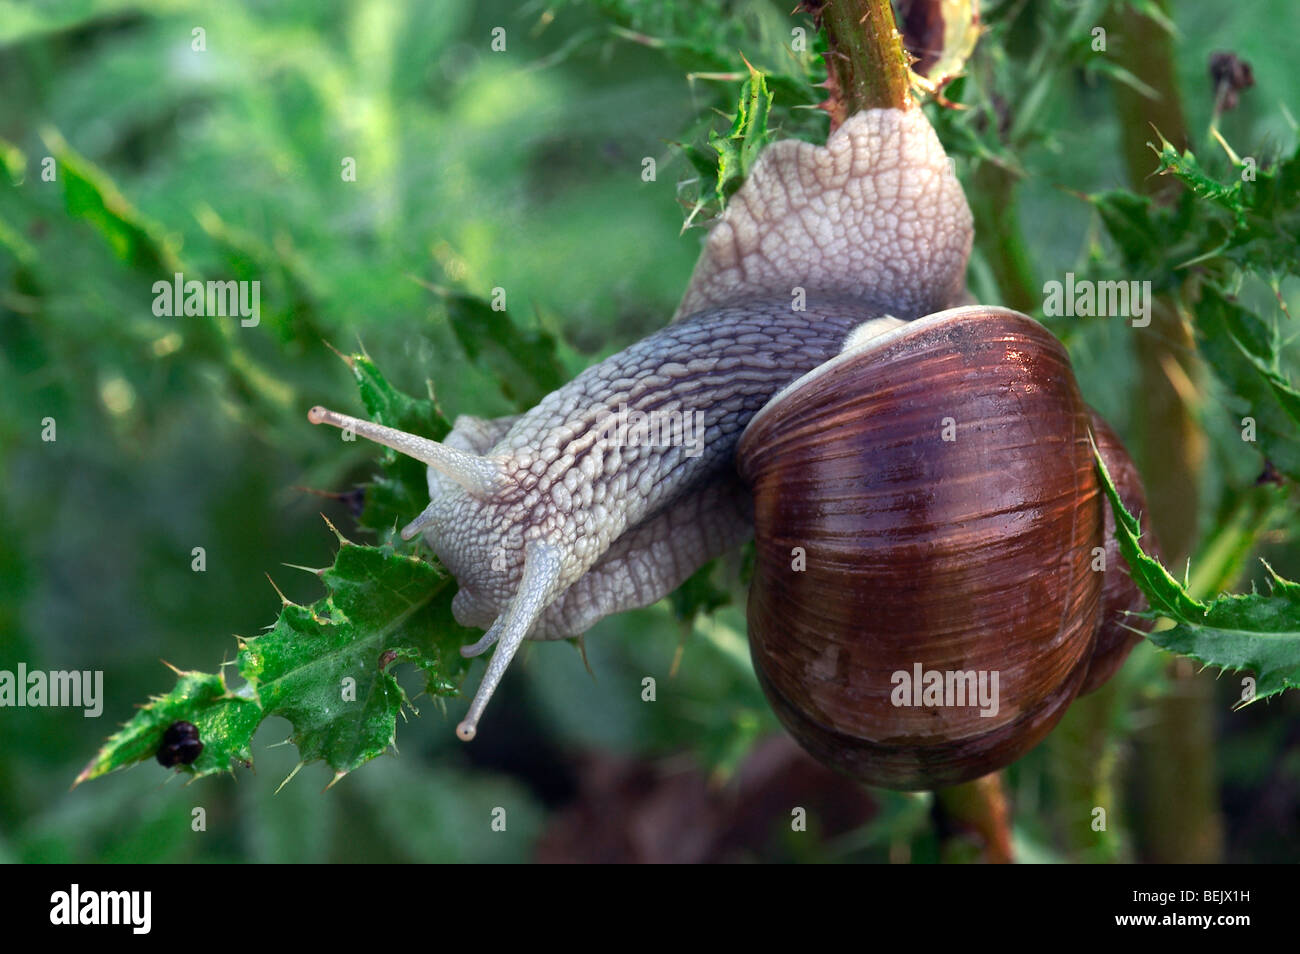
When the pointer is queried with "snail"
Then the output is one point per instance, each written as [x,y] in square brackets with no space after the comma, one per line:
[548,523]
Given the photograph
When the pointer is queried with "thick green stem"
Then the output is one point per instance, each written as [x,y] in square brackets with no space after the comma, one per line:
[866,65]
[998,237]
[1180,816]
[1083,757]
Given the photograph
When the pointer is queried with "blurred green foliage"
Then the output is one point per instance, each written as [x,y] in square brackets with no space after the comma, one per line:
[475,170]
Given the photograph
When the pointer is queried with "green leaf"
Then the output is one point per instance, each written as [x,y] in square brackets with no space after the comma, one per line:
[740,146]
[1248,222]
[1244,354]
[698,595]
[1254,631]
[723,168]
[13,164]
[1186,167]
[90,195]
[1156,241]
[225,720]
[1133,222]
[1228,230]
[1259,206]
[325,667]
[523,360]
[383,607]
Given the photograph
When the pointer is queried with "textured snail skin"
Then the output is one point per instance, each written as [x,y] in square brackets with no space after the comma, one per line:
[545,531]
[668,512]
[966,555]
[875,212]
[555,525]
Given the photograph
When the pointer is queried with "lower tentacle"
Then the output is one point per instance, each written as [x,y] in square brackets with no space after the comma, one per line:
[542,569]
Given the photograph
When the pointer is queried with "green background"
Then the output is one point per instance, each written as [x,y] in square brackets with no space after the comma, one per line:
[475,170]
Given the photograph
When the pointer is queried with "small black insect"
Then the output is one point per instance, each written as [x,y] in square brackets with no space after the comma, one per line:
[180,745]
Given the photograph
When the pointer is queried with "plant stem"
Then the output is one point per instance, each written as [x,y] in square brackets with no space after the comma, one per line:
[866,66]
[1171,445]
[998,237]
[1180,817]
[1083,757]
[976,809]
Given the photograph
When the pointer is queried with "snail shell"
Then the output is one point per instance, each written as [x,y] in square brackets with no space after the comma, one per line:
[962,555]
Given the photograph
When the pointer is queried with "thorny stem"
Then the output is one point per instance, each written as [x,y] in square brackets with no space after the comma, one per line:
[866,65]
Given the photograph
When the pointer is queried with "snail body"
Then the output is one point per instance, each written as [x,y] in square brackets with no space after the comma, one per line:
[549,522]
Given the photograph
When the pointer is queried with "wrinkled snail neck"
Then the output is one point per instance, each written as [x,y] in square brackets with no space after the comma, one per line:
[775,293]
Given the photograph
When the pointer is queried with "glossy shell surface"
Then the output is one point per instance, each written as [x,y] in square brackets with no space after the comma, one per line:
[926,504]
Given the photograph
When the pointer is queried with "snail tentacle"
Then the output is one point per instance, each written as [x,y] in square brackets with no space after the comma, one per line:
[542,568]
[484,644]
[482,477]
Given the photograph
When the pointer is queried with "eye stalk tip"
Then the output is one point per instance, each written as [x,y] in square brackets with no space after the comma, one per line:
[466,731]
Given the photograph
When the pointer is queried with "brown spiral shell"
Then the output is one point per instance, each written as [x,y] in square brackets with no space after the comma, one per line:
[964,555]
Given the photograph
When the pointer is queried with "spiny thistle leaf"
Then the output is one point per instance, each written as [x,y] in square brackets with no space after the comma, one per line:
[723,169]
[382,607]
[1261,206]
[1225,231]
[225,720]
[1249,223]
[1245,355]
[1256,632]
[747,136]
[326,667]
